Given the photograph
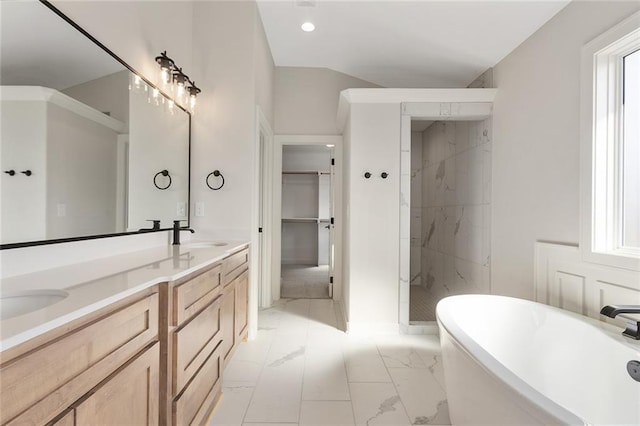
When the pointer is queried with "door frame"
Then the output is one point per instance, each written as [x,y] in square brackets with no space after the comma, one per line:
[260,253]
[275,193]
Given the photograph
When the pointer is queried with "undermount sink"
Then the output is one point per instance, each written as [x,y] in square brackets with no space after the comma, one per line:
[205,244]
[20,303]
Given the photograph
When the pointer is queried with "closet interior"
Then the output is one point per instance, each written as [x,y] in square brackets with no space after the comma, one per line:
[306,215]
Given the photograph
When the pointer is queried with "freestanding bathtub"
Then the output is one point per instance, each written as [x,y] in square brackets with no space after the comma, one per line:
[513,362]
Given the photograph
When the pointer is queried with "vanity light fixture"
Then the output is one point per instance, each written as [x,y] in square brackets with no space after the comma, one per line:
[193,93]
[308,27]
[166,67]
[178,83]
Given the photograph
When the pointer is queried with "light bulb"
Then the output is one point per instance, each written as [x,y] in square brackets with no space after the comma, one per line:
[192,102]
[137,85]
[308,27]
[180,92]
[155,97]
[165,75]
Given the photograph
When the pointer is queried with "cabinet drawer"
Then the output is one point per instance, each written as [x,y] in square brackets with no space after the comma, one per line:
[67,419]
[191,296]
[196,401]
[128,397]
[194,342]
[42,383]
[234,265]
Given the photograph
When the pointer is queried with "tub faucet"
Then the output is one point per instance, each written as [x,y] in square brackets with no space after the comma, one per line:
[176,232]
[633,326]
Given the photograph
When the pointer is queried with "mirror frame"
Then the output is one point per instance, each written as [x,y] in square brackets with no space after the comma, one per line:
[60,14]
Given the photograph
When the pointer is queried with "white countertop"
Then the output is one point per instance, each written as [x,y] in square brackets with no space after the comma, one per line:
[98,283]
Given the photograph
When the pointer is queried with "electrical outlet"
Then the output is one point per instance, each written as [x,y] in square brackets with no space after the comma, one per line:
[181,210]
[200,209]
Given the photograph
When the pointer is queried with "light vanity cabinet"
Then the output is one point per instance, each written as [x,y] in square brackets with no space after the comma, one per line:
[153,358]
[193,347]
[100,369]
[235,279]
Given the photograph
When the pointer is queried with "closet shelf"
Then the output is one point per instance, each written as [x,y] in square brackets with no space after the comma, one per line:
[306,172]
[304,220]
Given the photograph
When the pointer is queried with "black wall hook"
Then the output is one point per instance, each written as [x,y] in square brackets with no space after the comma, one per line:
[26,172]
[163,173]
[215,173]
[384,175]
[10,172]
[367,175]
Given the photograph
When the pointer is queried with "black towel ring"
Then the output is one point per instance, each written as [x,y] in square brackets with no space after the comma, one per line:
[215,173]
[163,173]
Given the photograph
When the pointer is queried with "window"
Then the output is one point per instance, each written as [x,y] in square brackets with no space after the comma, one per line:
[610,174]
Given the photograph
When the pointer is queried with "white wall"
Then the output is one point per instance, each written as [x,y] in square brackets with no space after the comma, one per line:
[108,94]
[346,215]
[536,141]
[235,74]
[158,140]
[306,99]
[23,147]
[264,69]
[81,175]
[372,231]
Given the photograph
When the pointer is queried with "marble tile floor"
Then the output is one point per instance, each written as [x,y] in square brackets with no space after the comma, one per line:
[302,370]
[304,281]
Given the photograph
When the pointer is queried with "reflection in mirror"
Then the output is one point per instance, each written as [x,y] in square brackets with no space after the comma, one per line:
[92,134]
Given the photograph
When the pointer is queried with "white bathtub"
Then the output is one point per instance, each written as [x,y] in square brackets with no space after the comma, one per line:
[513,362]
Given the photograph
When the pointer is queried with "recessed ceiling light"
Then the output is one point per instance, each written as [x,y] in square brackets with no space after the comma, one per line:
[308,27]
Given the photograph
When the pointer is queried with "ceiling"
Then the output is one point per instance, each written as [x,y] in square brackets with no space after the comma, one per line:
[416,43]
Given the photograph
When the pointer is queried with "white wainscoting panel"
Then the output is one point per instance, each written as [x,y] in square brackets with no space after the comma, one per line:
[564,280]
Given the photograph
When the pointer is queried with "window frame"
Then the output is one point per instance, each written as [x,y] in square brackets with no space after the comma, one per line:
[601,143]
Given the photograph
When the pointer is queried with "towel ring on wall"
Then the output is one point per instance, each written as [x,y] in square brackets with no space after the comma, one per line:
[163,173]
[215,173]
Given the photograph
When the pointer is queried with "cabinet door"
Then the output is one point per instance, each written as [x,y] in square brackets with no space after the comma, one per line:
[242,308]
[130,396]
[227,320]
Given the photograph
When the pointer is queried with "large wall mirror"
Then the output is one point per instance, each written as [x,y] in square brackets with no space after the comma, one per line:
[88,149]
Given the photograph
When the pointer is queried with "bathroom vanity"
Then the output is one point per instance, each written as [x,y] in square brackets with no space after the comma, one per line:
[141,345]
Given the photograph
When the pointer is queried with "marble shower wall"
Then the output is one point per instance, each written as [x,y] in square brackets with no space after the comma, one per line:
[456,210]
[416,209]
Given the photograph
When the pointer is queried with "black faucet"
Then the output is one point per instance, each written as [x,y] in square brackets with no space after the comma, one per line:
[176,232]
[156,225]
[633,326]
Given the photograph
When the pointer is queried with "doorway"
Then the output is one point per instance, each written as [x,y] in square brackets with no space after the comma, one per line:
[446,181]
[306,200]
[306,222]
